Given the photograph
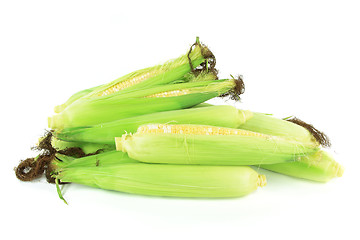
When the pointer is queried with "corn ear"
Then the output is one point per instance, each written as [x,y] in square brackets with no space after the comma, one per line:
[163,98]
[223,115]
[170,90]
[171,71]
[199,144]
[164,179]
[320,167]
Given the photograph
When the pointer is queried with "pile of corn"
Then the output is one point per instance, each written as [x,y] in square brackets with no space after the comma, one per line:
[150,132]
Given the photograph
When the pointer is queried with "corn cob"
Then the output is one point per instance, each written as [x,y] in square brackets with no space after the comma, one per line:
[163,98]
[319,166]
[223,115]
[162,179]
[198,144]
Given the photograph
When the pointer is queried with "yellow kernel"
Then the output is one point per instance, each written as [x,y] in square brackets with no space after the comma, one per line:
[128,83]
[195,130]
[173,93]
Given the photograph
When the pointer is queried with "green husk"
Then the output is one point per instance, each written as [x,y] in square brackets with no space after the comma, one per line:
[223,116]
[267,124]
[162,179]
[320,167]
[203,105]
[87,148]
[102,159]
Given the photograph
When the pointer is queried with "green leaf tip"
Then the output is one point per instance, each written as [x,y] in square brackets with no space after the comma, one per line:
[59,191]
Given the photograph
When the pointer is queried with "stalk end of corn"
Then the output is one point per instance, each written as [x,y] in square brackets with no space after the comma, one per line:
[261,182]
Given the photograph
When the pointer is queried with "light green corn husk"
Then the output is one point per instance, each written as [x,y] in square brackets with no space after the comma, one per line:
[108,158]
[73,98]
[319,166]
[158,99]
[203,105]
[223,116]
[198,144]
[267,124]
[86,147]
[163,179]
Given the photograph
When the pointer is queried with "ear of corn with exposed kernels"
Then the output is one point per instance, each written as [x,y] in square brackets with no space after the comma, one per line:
[209,145]
[101,110]
[171,71]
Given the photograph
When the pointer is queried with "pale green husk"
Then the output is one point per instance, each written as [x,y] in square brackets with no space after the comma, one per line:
[267,124]
[163,179]
[320,167]
[223,116]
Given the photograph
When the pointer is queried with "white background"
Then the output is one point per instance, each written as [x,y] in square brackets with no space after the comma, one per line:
[298,58]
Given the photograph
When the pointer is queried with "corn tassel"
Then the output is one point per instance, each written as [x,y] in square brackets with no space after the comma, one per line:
[320,167]
[161,179]
[197,144]
[223,115]
[158,99]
